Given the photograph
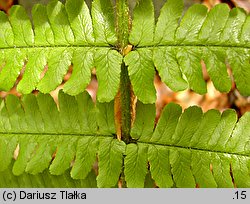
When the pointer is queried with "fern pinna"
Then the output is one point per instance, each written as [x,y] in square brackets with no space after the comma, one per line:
[42,145]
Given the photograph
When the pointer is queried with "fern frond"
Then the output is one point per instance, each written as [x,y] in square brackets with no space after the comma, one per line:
[176,45]
[189,149]
[184,149]
[62,35]
[48,138]
[45,180]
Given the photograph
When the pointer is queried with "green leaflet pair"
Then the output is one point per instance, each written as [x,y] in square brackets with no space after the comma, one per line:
[174,45]
[180,151]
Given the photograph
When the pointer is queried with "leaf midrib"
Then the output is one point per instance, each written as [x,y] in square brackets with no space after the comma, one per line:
[110,135]
[114,47]
[193,149]
[55,46]
[194,45]
[56,134]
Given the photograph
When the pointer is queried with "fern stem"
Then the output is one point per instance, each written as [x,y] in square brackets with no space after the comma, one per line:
[125,89]
[122,23]
[123,100]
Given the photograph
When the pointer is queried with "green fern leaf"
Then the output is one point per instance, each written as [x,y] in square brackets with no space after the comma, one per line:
[168,21]
[79,15]
[180,44]
[143,126]
[135,165]
[180,162]
[62,35]
[179,151]
[141,71]
[87,148]
[103,22]
[59,61]
[59,22]
[43,31]
[111,160]
[81,74]
[6,33]
[210,32]
[175,45]
[143,28]
[64,156]
[67,140]
[13,60]
[44,180]
[21,26]
[108,63]
[191,149]
[190,25]
[158,158]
